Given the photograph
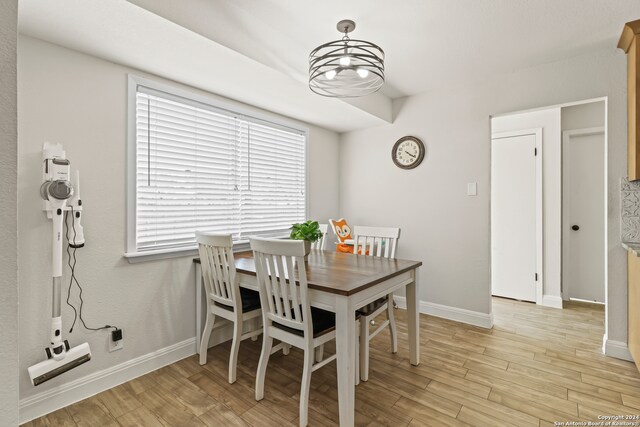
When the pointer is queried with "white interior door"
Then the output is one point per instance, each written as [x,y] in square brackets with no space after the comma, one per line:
[514,198]
[583,215]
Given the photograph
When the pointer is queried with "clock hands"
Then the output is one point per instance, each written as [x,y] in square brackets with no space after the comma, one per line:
[408,152]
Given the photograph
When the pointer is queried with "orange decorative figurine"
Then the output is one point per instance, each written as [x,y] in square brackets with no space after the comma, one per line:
[343,231]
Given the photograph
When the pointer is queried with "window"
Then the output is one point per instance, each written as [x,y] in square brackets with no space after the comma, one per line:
[201,167]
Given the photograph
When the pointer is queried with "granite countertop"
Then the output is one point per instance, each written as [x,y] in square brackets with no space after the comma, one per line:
[633,247]
[630,215]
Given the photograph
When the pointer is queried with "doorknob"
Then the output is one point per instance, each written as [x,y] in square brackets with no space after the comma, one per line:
[575,227]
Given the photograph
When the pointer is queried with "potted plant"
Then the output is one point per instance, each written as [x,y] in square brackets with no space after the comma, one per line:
[309,231]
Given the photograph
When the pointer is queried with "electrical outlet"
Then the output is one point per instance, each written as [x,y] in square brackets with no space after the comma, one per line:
[114,345]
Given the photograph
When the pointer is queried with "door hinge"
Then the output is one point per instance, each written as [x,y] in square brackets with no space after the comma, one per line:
[536,277]
[535,151]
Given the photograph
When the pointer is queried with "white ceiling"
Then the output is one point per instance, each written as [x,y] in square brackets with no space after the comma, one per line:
[257,51]
[427,42]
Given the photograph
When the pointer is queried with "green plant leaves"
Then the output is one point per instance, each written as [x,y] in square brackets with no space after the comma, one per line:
[309,230]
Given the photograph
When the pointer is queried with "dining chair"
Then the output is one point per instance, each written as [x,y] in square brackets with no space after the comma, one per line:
[225,297]
[287,314]
[381,242]
[319,244]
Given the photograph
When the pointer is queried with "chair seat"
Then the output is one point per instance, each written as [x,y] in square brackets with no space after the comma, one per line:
[323,322]
[372,306]
[250,301]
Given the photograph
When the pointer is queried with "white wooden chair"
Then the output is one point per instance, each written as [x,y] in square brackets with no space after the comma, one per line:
[381,242]
[225,298]
[287,315]
[319,244]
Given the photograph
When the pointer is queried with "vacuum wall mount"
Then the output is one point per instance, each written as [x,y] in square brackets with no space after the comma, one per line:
[59,196]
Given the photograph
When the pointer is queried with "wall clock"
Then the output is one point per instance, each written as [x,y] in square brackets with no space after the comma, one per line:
[408,152]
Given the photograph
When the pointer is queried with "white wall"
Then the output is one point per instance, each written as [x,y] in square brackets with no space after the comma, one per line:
[443,227]
[8,226]
[81,102]
[549,121]
[583,116]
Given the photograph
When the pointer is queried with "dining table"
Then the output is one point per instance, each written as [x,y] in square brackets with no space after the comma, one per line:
[342,283]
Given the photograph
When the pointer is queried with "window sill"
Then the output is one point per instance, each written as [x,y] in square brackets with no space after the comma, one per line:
[137,257]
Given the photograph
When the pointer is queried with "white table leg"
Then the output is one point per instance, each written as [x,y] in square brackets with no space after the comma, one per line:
[345,350]
[198,306]
[413,319]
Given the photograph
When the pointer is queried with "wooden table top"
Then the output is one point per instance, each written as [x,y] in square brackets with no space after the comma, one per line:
[337,272]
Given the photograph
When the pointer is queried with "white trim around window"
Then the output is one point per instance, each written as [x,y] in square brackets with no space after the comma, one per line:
[223,155]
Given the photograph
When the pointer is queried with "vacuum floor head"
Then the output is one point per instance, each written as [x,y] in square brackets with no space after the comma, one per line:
[44,371]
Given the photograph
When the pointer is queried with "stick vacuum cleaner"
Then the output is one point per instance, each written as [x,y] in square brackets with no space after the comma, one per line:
[58,194]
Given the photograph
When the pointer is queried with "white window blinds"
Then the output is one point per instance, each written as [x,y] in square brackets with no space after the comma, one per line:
[199,167]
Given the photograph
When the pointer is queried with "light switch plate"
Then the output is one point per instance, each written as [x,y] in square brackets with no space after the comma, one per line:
[472,189]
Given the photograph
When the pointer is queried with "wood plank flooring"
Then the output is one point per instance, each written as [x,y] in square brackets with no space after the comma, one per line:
[536,366]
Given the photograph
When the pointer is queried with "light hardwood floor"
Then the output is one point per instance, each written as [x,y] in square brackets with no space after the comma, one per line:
[536,366]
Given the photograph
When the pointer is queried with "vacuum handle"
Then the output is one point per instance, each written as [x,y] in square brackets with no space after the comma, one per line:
[77,232]
[57,215]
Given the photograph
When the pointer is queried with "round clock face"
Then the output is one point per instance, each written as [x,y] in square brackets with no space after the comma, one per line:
[408,152]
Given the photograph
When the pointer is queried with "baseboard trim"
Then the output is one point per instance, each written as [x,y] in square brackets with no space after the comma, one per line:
[66,394]
[552,301]
[617,349]
[474,318]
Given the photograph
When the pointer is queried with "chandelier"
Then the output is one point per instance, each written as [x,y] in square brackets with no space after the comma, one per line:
[346,68]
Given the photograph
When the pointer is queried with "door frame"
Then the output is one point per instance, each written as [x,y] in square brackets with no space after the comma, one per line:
[539,203]
[565,274]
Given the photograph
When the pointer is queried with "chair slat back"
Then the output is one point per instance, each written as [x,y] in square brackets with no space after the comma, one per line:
[277,262]
[319,244]
[218,268]
[376,241]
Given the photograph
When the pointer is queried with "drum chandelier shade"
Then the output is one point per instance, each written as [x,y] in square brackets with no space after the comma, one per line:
[346,68]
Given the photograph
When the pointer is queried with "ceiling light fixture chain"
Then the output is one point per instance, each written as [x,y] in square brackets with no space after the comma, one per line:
[346,68]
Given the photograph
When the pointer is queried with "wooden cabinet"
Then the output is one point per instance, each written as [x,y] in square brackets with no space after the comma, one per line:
[634,306]
[630,43]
